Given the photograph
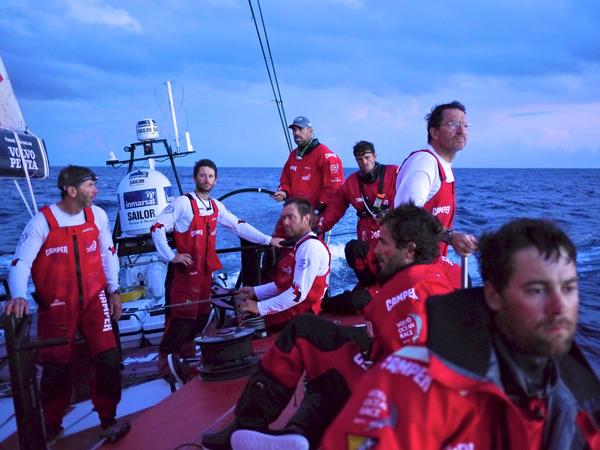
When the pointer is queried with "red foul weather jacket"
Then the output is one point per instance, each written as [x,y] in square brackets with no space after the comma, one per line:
[396,314]
[449,396]
[315,176]
[367,198]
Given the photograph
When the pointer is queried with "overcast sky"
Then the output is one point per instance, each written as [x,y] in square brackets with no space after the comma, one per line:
[85,71]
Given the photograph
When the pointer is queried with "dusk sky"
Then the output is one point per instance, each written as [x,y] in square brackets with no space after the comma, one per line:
[85,71]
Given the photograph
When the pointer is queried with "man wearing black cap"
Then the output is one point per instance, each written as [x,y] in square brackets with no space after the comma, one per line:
[68,250]
[312,170]
[371,192]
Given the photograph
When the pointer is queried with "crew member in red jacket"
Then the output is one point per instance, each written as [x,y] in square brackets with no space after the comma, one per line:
[68,250]
[371,191]
[312,171]
[426,176]
[500,369]
[335,357]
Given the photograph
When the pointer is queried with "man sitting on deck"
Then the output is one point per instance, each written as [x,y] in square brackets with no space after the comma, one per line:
[499,369]
[333,356]
[300,276]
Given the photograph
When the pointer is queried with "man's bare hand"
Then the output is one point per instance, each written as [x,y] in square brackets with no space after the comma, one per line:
[114,301]
[249,306]
[246,293]
[276,242]
[464,244]
[183,258]
[17,306]
[279,196]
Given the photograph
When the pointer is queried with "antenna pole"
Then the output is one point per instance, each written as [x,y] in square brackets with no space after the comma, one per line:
[172,108]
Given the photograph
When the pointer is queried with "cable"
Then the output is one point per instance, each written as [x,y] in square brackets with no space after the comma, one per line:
[274,75]
[278,100]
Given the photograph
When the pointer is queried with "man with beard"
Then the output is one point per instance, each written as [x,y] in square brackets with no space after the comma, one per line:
[500,369]
[426,176]
[312,170]
[68,250]
[193,217]
[335,357]
[371,191]
[300,276]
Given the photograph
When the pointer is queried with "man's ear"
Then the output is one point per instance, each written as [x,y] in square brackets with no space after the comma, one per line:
[408,252]
[433,133]
[71,191]
[492,296]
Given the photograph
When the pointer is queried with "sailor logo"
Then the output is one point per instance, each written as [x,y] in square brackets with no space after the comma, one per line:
[53,250]
[409,328]
[92,247]
[397,299]
[293,168]
[195,233]
[441,210]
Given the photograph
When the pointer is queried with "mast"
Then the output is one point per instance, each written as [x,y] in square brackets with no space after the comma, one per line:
[173,118]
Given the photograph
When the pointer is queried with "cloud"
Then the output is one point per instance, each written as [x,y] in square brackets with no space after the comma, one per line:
[354,4]
[97,12]
[531,113]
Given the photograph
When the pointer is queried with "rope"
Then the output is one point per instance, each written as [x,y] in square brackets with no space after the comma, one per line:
[274,84]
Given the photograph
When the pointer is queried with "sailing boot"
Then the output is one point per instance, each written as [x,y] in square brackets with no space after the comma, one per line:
[325,397]
[261,402]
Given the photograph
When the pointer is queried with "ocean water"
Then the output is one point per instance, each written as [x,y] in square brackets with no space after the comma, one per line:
[486,199]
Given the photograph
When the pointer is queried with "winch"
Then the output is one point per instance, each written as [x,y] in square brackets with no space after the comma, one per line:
[227,354]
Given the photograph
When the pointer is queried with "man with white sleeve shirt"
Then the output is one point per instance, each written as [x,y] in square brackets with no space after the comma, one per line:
[301,276]
[68,250]
[426,176]
[193,217]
